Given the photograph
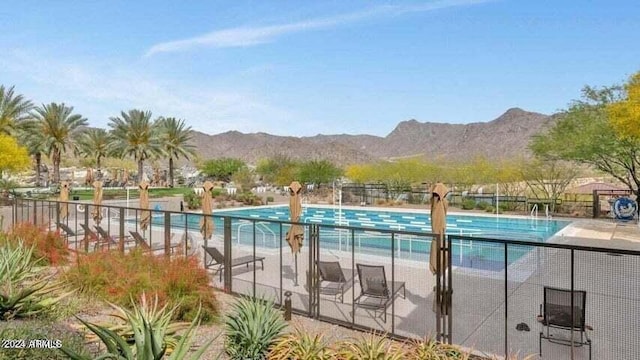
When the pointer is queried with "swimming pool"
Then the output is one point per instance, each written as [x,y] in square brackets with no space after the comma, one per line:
[368,240]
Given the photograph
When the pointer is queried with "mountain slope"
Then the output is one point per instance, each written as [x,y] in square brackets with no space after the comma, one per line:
[506,136]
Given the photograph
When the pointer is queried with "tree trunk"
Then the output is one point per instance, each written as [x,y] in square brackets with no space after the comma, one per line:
[140,170]
[38,156]
[56,166]
[170,171]
[98,162]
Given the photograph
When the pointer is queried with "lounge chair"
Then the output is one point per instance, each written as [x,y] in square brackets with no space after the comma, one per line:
[90,235]
[375,292]
[217,260]
[333,280]
[141,242]
[556,312]
[111,240]
[67,230]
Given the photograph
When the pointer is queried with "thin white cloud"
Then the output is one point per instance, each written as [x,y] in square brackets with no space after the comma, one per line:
[250,36]
[99,91]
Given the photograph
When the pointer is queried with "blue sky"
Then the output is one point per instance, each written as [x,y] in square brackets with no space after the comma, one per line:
[303,68]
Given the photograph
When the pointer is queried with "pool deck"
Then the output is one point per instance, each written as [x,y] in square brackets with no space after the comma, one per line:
[613,292]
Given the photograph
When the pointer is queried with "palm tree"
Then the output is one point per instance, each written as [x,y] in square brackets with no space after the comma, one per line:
[33,139]
[13,109]
[94,143]
[134,134]
[175,139]
[59,126]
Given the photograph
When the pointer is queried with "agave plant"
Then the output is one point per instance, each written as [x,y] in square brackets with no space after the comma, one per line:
[429,349]
[25,288]
[370,347]
[149,339]
[252,327]
[301,345]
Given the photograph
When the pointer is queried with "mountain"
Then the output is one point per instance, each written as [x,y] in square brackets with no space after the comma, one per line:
[504,137]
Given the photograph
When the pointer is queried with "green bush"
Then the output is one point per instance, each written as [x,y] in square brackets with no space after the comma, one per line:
[468,204]
[216,192]
[270,199]
[482,205]
[490,209]
[252,326]
[193,200]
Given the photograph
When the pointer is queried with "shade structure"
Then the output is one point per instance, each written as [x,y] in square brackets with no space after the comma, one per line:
[96,214]
[438,226]
[88,179]
[64,197]
[206,223]
[145,215]
[295,235]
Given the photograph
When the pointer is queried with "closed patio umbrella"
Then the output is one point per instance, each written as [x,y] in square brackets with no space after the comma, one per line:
[97,201]
[64,197]
[295,235]
[206,223]
[145,216]
[438,226]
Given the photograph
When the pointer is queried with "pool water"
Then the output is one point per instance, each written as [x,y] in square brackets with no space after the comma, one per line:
[367,240]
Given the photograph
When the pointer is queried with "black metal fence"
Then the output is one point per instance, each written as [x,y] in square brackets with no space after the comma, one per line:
[383,282]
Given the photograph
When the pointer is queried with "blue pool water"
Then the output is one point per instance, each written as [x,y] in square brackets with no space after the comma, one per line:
[367,240]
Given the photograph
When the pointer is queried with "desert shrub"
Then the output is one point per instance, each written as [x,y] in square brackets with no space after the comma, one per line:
[468,204]
[270,199]
[251,327]
[481,205]
[490,209]
[49,246]
[370,347]
[38,330]
[503,207]
[27,289]
[301,345]
[193,200]
[431,350]
[117,278]
[216,192]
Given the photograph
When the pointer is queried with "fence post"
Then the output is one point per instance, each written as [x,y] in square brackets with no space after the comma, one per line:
[35,212]
[58,204]
[121,216]
[86,223]
[227,255]
[506,302]
[167,233]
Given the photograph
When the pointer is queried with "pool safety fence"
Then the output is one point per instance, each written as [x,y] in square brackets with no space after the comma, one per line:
[490,294]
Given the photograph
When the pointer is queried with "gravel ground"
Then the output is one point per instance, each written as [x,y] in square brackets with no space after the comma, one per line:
[100,313]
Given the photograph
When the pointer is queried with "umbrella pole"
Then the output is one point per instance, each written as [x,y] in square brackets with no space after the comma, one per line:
[296,265]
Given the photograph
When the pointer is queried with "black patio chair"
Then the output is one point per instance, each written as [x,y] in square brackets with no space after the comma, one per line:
[556,313]
[375,292]
[333,280]
[217,260]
